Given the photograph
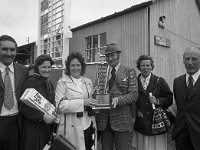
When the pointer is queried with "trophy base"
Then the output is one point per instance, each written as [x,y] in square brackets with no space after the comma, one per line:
[103,101]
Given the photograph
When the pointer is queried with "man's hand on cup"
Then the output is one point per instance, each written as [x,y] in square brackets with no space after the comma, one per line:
[115,102]
[90,102]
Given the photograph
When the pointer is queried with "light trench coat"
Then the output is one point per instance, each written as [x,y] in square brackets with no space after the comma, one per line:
[75,103]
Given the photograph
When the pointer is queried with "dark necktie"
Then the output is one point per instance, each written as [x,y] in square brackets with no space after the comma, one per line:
[190,84]
[112,79]
[8,95]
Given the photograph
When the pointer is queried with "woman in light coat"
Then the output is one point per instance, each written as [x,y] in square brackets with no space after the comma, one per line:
[73,98]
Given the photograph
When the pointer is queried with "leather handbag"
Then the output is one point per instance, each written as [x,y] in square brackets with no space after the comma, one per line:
[61,143]
[58,142]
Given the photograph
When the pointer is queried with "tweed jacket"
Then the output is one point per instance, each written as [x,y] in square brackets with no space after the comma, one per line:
[126,90]
[20,75]
[144,111]
[188,109]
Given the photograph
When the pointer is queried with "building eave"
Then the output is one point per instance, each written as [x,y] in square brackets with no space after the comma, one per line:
[116,14]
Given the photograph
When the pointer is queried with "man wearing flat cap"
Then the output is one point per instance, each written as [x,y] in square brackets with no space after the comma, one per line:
[116,124]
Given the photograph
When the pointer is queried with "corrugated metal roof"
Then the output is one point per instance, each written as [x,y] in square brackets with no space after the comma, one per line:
[26,45]
[116,14]
[128,10]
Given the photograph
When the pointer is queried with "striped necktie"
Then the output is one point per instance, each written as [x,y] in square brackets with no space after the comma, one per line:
[145,83]
[112,79]
[8,94]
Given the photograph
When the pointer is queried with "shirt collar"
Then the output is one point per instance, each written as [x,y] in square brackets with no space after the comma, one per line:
[194,76]
[3,67]
[116,67]
[147,78]
[76,80]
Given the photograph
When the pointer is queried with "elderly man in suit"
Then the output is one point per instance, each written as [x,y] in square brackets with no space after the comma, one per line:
[12,76]
[187,96]
[116,124]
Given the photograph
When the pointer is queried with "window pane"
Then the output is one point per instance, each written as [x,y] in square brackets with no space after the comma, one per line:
[102,50]
[57,54]
[94,54]
[88,42]
[102,39]
[58,9]
[88,55]
[95,41]
[44,5]
[58,37]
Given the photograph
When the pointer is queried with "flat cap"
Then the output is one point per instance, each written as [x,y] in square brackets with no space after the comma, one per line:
[112,48]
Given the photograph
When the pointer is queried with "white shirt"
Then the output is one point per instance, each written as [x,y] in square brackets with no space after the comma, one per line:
[145,81]
[4,110]
[116,68]
[194,76]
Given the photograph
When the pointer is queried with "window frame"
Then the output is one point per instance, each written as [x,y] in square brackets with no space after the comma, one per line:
[93,53]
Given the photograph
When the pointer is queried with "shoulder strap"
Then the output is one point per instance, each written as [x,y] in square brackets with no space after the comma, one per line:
[158,79]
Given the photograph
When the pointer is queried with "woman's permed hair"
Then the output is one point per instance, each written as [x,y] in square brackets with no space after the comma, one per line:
[40,59]
[79,57]
[145,57]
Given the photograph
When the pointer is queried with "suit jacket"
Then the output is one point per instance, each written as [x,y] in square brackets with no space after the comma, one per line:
[126,90]
[188,109]
[20,75]
[144,111]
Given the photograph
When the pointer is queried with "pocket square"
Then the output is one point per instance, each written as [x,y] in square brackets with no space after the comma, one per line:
[125,79]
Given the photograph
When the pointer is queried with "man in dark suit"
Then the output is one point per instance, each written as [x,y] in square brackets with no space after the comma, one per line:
[187,96]
[12,76]
[116,124]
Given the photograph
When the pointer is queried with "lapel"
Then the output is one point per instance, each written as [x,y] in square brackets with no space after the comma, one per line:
[140,87]
[154,81]
[182,86]
[118,74]
[1,81]
[72,86]
[16,75]
[195,88]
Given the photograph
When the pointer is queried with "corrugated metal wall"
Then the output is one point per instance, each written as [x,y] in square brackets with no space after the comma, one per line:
[181,27]
[129,31]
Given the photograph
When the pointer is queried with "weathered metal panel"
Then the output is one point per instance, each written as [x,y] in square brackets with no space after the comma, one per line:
[181,27]
[129,31]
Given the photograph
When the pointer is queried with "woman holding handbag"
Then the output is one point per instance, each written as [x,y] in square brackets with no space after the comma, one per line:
[154,93]
[73,94]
